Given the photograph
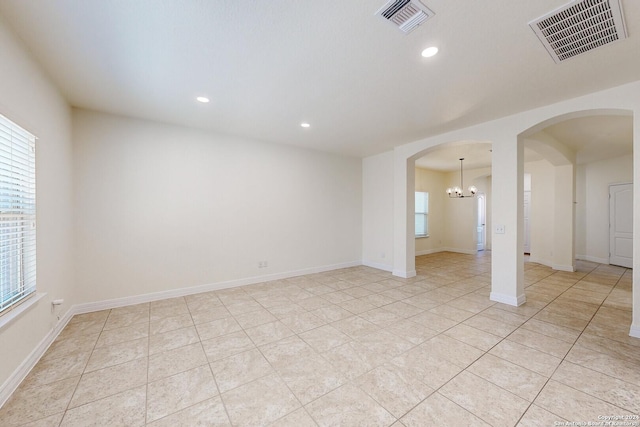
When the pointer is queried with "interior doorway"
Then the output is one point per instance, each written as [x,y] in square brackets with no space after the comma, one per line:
[527,213]
[621,225]
[527,222]
[482,221]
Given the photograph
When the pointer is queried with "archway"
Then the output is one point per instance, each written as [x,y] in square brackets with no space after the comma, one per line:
[507,273]
[508,140]
[404,230]
[452,220]
[557,239]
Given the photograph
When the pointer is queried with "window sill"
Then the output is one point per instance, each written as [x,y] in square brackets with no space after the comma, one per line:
[8,317]
[422,237]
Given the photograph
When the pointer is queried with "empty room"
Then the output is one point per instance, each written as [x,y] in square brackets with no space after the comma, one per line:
[319,213]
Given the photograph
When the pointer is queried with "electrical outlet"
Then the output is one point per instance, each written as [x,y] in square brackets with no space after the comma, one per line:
[500,229]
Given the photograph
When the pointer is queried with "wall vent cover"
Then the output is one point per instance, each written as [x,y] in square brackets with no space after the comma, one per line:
[579,27]
[405,15]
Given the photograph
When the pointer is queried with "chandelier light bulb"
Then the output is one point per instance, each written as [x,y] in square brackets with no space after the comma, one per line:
[457,192]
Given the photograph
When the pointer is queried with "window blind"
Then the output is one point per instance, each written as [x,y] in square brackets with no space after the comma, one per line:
[17,214]
[422,214]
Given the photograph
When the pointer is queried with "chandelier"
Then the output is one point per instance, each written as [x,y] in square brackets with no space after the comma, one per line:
[457,192]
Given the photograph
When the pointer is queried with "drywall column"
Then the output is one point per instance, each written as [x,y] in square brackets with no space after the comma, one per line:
[377,211]
[404,246]
[635,325]
[507,263]
[564,217]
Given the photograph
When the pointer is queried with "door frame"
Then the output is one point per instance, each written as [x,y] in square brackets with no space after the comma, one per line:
[482,196]
[628,264]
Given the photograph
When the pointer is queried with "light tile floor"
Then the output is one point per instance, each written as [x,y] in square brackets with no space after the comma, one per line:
[352,347]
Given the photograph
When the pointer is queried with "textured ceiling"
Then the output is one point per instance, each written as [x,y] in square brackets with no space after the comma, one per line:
[269,65]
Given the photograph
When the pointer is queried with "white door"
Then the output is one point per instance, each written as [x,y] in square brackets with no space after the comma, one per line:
[482,221]
[621,225]
[527,224]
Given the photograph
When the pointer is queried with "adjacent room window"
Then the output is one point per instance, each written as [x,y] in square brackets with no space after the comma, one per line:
[422,214]
[17,214]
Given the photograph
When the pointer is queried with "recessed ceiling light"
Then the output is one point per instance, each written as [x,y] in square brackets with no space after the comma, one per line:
[305,125]
[429,52]
[202,99]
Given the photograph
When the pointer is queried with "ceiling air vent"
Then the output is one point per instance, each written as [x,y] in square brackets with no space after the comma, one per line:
[579,27]
[405,14]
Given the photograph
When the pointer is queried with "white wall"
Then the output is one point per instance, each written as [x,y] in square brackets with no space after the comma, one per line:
[542,211]
[161,207]
[564,218]
[592,207]
[377,212]
[28,98]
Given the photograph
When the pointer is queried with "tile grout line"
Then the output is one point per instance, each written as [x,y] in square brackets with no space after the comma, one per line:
[355,339]
[572,345]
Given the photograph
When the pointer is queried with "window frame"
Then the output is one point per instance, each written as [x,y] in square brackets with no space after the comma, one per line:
[425,214]
[17,215]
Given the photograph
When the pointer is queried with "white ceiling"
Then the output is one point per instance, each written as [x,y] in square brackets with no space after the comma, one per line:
[595,138]
[269,65]
[591,138]
[447,158]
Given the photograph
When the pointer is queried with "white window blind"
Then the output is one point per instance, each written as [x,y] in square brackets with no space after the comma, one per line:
[17,214]
[422,214]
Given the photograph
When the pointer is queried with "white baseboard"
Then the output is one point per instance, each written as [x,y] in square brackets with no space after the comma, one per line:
[14,380]
[634,331]
[404,274]
[456,250]
[174,293]
[428,251]
[593,259]
[508,299]
[460,251]
[533,258]
[377,265]
[559,267]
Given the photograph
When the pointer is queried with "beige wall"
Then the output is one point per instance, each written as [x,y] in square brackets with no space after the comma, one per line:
[452,222]
[162,207]
[461,214]
[434,183]
[28,98]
